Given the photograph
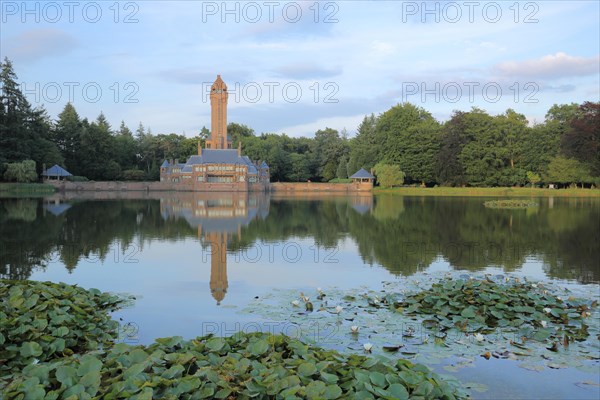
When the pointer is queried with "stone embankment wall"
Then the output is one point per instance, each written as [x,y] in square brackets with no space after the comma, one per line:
[290,187]
[278,187]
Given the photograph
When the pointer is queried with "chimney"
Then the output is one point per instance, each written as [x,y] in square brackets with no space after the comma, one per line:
[199,148]
[239,149]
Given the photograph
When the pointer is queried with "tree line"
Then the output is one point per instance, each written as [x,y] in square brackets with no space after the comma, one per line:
[472,148]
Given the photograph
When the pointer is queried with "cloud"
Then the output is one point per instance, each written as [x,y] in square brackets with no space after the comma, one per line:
[559,65]
[35,44]
[306,71]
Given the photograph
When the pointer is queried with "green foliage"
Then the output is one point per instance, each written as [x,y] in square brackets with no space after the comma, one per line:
[477,305]
[254,365]
[46,321]
[342,169]
[77,178]
[389,175]
[509,203]
[21,172]
[26,188]
[134,175]
[338,180]
[533,178]
[566,171]
[582,141]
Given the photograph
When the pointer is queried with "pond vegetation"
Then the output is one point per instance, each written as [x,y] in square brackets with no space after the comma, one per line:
[510,203]
[56,347]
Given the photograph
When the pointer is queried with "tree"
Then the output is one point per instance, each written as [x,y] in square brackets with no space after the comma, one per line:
[365,150]
[342,169]
[24,132]
[299,168]
[582,140]
[327,148]
[449,168]
[533,178]
[22,172]
[238,131]
[567,171]
[67,136]
[389,175]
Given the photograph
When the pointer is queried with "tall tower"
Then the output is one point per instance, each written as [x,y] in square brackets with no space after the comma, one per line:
[218,112]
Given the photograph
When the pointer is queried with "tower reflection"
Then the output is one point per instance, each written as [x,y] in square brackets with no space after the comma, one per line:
[217,217]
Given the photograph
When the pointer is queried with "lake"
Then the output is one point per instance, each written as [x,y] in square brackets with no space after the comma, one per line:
[196,262]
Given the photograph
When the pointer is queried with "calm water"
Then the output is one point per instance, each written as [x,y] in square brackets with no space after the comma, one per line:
[194,260]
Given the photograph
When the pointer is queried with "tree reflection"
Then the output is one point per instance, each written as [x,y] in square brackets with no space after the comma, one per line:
[402,234]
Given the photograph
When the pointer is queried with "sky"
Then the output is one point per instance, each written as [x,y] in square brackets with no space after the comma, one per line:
[295,67]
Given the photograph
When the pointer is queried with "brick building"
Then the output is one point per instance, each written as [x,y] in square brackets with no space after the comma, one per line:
[217,167]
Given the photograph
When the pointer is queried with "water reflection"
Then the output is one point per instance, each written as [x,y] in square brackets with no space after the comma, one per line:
[401,234]
[216,217]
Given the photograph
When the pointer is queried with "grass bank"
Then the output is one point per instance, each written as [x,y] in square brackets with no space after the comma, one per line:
[489,192]
[25,189]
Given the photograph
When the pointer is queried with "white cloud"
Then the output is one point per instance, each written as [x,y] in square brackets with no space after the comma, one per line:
[559,65]
[35,44]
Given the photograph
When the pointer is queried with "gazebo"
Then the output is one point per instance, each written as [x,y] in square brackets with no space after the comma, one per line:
[56,172]
[362,176]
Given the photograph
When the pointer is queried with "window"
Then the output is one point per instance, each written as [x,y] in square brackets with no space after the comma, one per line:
[200,179]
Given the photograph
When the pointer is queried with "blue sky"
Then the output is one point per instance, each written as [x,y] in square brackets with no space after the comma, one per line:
[296,67]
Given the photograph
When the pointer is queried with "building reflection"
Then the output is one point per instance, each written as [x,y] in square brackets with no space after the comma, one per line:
[218,217]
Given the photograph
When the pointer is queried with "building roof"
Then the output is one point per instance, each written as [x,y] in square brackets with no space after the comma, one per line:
[264,165]
[362,174]
[165,164]
[57,209]
[56,170]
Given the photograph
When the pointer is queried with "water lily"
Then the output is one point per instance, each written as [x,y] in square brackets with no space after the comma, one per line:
[479,337]
[354,329]
[368,347]
[295,303]
[547,310]
[544,323]
[338,309]
[319,290]
[533,285]
[305,299]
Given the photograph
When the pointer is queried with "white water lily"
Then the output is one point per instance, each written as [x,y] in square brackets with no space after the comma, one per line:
[305,299]
[558,298]
[295,303]
[338,309]
[533,285]
[544,323]
[479,337]
[319,290]
[368,347]
[547,310]
[354,329]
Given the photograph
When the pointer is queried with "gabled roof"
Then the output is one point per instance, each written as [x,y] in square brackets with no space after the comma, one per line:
[362,174]
[56,170]
[165,164]
[57,209]
[264,165]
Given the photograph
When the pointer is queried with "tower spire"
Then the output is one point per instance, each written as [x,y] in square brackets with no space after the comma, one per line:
[218,111]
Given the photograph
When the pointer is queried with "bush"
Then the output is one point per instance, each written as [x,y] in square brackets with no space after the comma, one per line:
[22,172]
[134,175]
[75,178]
